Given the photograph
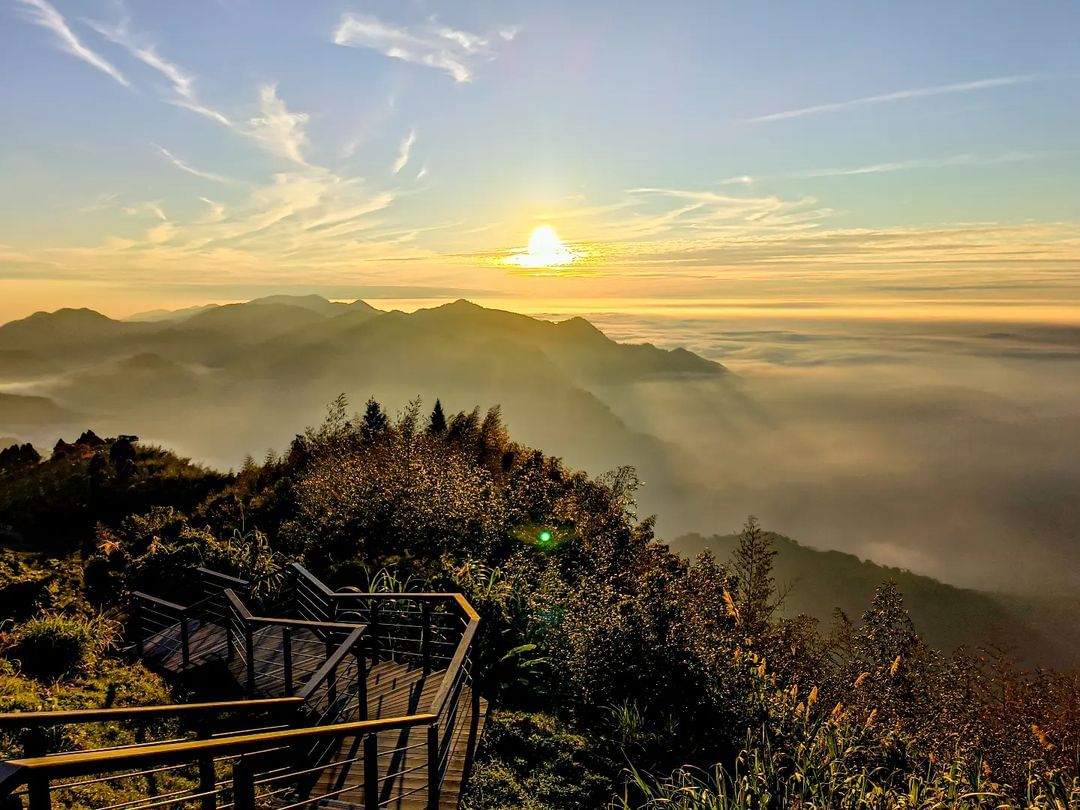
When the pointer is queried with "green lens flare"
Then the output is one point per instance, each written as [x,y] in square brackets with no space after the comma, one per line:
[544,536]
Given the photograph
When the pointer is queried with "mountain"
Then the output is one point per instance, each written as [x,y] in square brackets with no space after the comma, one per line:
[242,376]
[817,582]
[316,303]
[155,315]
[64,328]
[19,411]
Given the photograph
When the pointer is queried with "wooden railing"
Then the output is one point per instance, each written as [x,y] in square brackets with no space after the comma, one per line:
[273,766]
[152,616]
[276,651]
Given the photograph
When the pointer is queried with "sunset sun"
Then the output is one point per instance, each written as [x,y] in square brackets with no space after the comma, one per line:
[545,249]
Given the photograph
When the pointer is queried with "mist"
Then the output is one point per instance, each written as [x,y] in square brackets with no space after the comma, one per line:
[948,448]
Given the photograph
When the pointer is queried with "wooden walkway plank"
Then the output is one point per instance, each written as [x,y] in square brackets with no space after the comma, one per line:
[394,689]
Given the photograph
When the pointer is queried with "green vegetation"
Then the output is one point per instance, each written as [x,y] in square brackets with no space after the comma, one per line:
[620,672]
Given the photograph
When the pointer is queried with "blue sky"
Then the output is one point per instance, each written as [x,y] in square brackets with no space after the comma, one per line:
[173,152]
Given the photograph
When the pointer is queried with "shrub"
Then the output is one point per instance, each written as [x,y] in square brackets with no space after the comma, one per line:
[534,762]
[54,645]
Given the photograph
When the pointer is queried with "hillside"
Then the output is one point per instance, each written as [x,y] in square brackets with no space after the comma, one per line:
[816,583]
[598,649]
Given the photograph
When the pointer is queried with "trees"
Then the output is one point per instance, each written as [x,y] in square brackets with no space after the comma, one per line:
[755,596]
[437,422]
[375,423]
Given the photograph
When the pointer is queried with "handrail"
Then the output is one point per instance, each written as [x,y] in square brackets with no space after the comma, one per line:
[39,719]
[331,663]
[420,612]
[281,622]
[438,703]
[163,602]
[462,602]
[229,578]
[82,763]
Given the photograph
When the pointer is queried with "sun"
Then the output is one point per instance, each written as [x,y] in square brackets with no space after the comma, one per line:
[545,249]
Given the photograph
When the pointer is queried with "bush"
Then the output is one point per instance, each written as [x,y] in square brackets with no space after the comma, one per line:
[24,588]
[55,646]
[534,762]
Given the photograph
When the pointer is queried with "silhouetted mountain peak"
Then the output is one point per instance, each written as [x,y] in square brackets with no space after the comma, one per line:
[67,315]
[44,328]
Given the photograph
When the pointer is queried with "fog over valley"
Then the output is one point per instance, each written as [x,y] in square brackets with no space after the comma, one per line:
[947,447]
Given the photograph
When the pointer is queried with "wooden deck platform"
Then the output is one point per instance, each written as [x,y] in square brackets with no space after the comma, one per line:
[393,690]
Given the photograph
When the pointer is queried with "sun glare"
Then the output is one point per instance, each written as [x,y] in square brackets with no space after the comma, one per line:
[545,249]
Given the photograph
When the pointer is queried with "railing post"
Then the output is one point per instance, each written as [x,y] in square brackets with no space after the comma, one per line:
[185,640]
[374,627]
[434,782]
[227,619]
[243,778]
[371,772]
[361,682]
[425,635]
[136,623]
[286,645]
[207,775]
[249,643]
[38,790]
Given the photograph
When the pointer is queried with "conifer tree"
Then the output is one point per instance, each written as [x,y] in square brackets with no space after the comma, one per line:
[375,422]
[437,422]
[752,565]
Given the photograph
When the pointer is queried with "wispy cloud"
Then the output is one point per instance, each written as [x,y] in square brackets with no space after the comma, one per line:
[184,166]
[45,15]
[437,46]
[899,95]
[182,83]
[907,165]
[277,128]
[152,208]
[404,151]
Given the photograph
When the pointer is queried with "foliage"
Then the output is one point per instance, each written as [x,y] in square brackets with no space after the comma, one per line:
[54,645]
[24,588]
[534,762]
[55,504]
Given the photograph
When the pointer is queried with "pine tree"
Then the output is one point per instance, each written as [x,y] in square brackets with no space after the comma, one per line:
[494,440]
[437,423]
[375,423]
[752,564]
[886,631]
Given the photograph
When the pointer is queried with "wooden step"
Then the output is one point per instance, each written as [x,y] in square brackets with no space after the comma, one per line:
[404,753]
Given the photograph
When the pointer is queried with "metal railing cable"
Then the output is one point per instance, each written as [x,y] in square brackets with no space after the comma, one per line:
[324,660]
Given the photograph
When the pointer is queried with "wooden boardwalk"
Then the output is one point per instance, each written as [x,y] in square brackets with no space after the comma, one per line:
[394,689]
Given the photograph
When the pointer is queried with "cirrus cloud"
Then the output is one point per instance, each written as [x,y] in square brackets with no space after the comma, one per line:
[437,46]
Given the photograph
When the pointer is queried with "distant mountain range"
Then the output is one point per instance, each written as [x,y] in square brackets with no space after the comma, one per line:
[223,381]
[217,383]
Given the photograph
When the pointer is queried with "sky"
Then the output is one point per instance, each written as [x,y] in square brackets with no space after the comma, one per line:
[836,154]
